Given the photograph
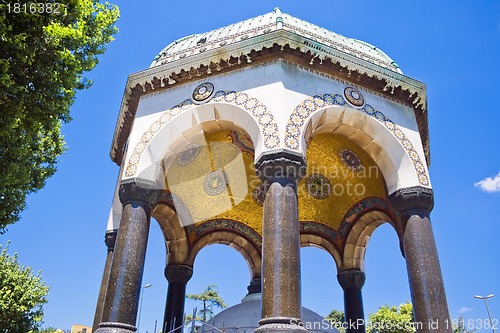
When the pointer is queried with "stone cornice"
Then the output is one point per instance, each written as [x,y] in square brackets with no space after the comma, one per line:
[280,44]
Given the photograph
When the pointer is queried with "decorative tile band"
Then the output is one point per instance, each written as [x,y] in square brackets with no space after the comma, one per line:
[265,119]
[310,105]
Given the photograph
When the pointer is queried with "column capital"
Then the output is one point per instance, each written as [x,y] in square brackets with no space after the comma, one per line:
[110,239]
[281,167]
[352,278]
[178,273]
[414,198]
[139,190]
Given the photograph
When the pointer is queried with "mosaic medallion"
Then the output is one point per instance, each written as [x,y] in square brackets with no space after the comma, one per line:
[203,92]
[354,96]
[188,154]
[350,159]
[258,195]
[318,186]
[215,182]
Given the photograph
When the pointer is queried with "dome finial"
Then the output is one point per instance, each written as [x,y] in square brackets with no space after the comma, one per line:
[279,18]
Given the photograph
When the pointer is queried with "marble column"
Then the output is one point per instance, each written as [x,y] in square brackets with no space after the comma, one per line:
[352,281]
[110,240]
[122,297]
[177,276]
[430,309]
[281,302]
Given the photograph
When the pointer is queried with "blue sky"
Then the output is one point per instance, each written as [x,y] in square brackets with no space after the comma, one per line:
[454,47]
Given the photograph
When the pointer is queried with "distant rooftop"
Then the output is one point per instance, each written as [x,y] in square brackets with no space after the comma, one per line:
[264,24]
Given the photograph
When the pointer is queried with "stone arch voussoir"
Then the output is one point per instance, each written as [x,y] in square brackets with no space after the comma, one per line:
[235,234]
[316,240]
[359,235]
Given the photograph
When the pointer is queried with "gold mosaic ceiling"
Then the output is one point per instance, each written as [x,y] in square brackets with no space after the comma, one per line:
[215,178]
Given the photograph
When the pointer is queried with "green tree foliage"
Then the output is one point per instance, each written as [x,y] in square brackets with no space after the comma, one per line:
[337,318]
[50,330]
[209,298]
[392,319]
[43,58]
[22,295]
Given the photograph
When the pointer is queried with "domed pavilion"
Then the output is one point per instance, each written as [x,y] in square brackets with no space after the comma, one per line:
[267,135]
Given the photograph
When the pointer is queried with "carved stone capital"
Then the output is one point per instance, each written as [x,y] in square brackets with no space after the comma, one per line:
[139,190]
[351,279]
[416,198]
[281,167]
[178,273]
[110,239]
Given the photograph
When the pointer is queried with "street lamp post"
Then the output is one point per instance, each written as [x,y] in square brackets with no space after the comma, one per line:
[140,304]
[485,298]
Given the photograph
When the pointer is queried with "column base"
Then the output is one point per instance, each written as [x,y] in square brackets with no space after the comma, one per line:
[115,328]
[281,324]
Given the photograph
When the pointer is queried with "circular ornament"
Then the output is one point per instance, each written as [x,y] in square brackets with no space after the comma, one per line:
[350,159]
[354,97]
[318,186]
[258,195]
[188,154]
[215,182]
[203,92]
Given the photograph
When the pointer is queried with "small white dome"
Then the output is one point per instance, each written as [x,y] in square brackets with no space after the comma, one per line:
[244,318]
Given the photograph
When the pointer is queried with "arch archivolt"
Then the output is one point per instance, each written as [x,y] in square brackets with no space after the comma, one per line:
[174,233]
[233,233]
[316,240]
[256,119]
[359,235]
[389,145]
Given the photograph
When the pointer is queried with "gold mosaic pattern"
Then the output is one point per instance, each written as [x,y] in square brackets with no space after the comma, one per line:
[233,203]
[348,186]
[265,119]
[312,104]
